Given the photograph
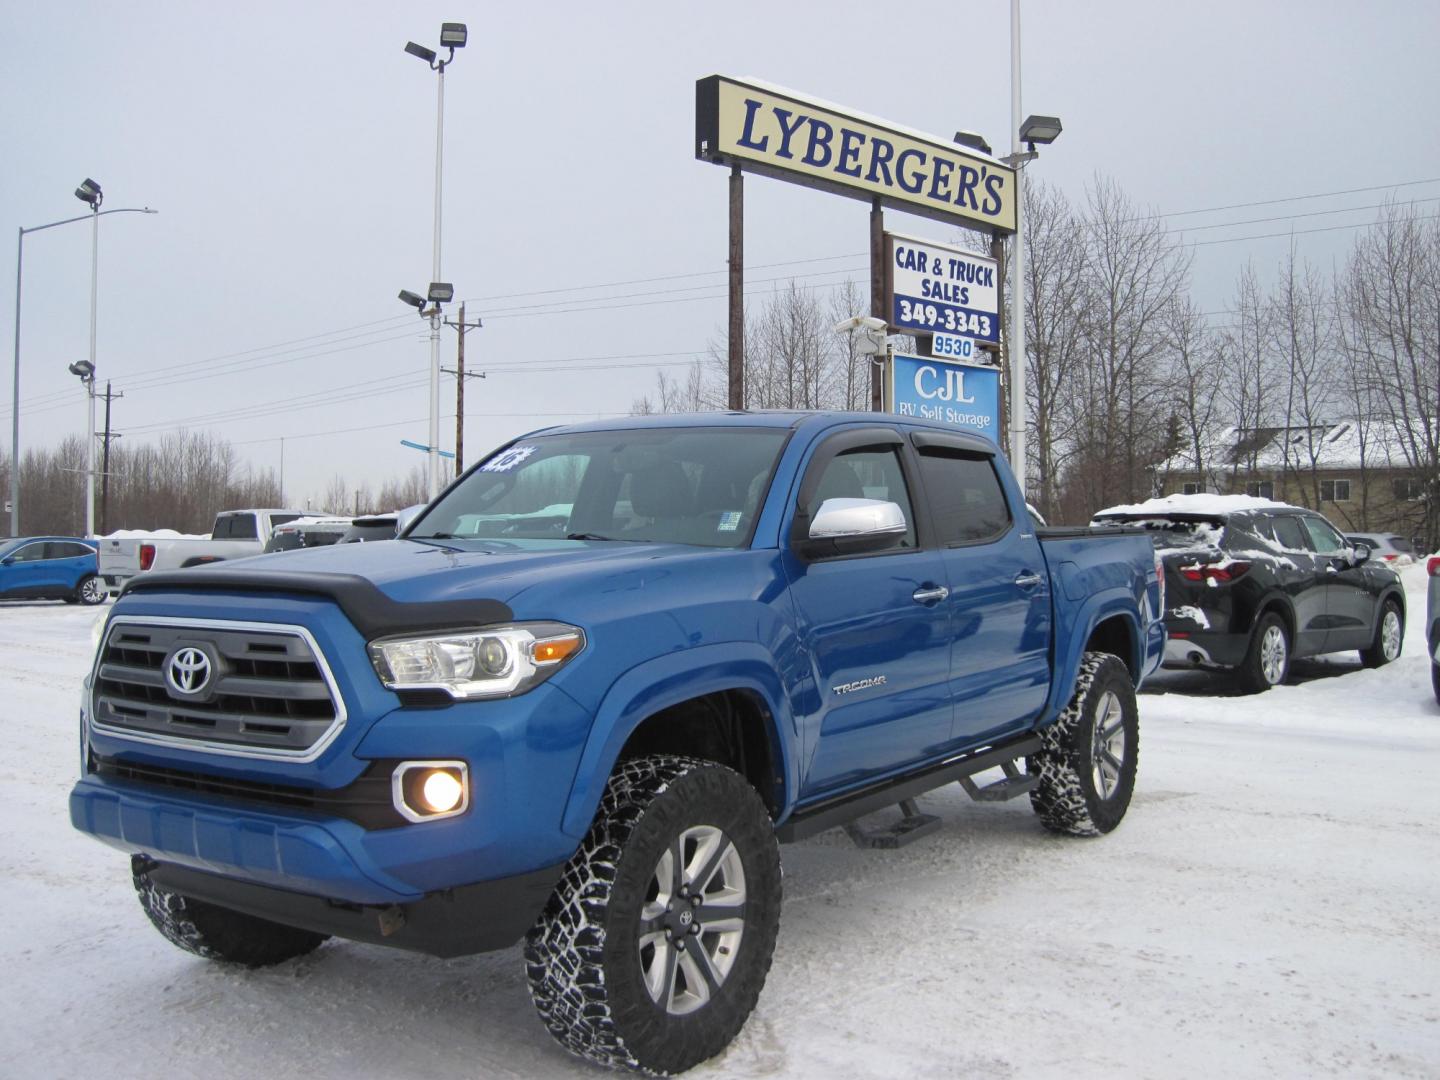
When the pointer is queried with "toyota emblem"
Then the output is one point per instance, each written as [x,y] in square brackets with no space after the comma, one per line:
[188,671]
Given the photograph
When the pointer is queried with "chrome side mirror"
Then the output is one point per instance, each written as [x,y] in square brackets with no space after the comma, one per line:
[855,526]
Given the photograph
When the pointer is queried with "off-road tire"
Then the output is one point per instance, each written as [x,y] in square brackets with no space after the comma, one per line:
[90,591]
[1385,647]
[1256,673]
[1070,799]
[217,933]
[583,957]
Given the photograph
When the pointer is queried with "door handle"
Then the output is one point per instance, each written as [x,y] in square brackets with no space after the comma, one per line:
[926,595]
[1027,580]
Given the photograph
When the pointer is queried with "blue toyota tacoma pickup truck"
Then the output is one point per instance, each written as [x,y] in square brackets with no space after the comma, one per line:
[597,682]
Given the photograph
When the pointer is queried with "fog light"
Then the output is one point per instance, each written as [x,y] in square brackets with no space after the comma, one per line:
[427,790]
[442,791]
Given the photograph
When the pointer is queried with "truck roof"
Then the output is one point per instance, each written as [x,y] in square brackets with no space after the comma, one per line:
[769,418]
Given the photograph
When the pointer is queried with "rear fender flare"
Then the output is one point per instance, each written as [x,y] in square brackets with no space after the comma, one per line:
[1093,611]
[667,681]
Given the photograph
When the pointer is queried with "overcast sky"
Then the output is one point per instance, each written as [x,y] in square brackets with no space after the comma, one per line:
[290,151]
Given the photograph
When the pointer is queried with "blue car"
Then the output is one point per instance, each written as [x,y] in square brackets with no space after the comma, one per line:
[50,568]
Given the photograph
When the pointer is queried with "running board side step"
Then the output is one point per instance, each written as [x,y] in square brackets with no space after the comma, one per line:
[911,827]
[837,810]
[1013,786]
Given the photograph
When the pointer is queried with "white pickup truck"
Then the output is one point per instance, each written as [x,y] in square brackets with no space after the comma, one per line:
[237,533]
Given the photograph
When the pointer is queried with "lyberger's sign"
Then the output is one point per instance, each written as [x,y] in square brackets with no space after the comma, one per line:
[789,137]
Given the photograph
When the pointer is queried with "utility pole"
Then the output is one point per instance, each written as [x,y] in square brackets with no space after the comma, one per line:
[460,376]
[105,463]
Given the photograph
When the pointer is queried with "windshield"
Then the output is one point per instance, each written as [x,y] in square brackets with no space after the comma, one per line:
[656,485]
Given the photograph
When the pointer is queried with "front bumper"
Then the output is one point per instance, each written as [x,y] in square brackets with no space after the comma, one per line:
[454,922]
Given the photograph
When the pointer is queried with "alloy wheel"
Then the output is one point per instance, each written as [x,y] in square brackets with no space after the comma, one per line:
[1108,752]
[1273,653]
[693,920]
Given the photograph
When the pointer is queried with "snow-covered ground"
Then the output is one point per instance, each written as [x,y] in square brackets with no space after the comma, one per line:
[1270,907]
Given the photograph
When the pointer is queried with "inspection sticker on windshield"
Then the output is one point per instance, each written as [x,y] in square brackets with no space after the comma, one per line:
[729,521]
[509,459]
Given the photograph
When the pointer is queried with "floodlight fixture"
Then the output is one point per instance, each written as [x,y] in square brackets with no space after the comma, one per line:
[89,192]
[441,292]
[974,140]
[428,55]
[1040,129]
[84,369]
[452,35]
[410,298]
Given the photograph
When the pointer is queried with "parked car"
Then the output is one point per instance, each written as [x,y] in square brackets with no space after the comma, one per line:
[307,532]
[1251,585]
[751,628]
[380,526]
[50,568]
[236,534]
[1389,547]
[1432,631]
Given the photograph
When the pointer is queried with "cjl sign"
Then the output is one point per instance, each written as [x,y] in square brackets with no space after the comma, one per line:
[965,395]
[933,288]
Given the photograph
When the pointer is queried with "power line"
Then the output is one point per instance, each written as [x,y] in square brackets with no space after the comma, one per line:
[1293,217]
[1301,232]
[1290,198]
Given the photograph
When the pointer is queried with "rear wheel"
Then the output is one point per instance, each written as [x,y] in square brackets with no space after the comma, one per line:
[653,949]
[1389,633]
[217,933]
[1087,768]
[1435,680]
[1268,661]
[91,590]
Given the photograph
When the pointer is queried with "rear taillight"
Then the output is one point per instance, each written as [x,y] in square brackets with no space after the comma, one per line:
[147,556]
[1432,566]
[1220,573]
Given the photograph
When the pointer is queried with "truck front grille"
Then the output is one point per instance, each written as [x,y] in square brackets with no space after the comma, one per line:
[251,689]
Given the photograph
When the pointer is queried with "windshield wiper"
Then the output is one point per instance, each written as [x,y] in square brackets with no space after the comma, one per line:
[591,536]
[436,536]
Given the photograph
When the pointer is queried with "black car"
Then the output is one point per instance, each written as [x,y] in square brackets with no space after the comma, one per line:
[1251,589]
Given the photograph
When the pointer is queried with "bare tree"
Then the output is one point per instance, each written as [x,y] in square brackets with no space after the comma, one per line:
[1303,342]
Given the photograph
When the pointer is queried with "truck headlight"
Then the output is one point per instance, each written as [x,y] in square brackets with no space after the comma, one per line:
[493,661]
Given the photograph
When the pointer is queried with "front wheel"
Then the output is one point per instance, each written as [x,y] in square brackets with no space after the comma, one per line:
[1268,661]
[654,946]
[1087,767]
[1389,632]
[91,590]
[217,933]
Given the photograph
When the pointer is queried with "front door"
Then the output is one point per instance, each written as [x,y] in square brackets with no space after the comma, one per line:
[1350,608]
[874,628]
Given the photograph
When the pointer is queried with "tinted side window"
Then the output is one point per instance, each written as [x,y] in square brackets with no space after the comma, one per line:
[1327,541]
[60,549]
[1290,534]
[281,519]
[866,473]
[30,553]
[965,496]
[235,527]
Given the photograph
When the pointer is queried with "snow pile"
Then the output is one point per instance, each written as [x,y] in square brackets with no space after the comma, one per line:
[153,534]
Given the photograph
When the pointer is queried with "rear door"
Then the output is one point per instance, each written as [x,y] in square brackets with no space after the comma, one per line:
[873,628]
[1000,603]
[1303,581]
[69,561]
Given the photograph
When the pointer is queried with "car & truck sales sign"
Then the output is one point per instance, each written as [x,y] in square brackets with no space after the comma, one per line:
[780,133]
[934,289]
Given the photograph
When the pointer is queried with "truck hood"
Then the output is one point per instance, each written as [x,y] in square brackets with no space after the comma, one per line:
[435,571]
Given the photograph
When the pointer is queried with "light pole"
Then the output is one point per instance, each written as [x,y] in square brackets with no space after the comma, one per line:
[1035,129]
[452,37]
[84,370]
[15,399]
